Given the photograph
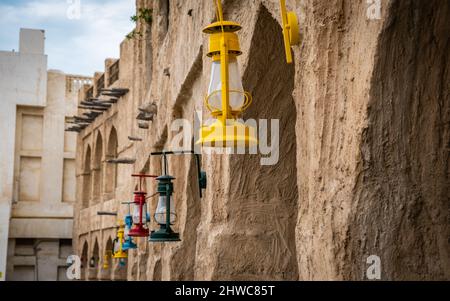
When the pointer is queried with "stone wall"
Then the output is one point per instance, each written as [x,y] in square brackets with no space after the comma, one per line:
[363,158]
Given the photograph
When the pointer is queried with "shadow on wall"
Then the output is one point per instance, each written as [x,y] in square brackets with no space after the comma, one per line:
[157,271]
[182,262]
[262,212]
[402,195]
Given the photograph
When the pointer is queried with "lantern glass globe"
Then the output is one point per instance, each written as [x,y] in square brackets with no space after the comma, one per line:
[237,97]
[138,217]
[116,246]
[161,210]
[126,232]
[128,225]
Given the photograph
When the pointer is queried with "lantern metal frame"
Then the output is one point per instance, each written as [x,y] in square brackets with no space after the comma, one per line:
[226,130]
[106,256]
[120,254]
[165,188]
[165,232]
[128,220]
[138,230]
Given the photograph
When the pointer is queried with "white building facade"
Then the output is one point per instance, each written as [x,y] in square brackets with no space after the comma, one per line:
[37,166]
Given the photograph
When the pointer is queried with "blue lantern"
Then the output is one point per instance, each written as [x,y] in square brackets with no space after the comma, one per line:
[128,240]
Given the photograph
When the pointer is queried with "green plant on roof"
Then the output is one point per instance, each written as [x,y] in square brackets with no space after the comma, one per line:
[144,15]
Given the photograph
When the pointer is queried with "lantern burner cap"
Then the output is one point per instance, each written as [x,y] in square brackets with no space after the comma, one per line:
[163,235]
[165,178]
[233,134]
[129,244]
[228,26]
[138,232]
[120,254]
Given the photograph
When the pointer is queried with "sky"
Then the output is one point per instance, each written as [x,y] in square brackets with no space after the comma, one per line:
[80,34]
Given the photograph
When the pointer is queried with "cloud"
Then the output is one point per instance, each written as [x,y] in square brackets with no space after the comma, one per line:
[77,46]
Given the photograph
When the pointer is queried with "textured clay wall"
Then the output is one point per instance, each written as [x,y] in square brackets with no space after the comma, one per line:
[333,71]
[363,158]
[402,192]
[372,135]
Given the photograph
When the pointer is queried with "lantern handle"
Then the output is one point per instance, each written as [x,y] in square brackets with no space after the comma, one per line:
[248,99]
[128,203]
[165,164]
[219,12]
[201,176]
[141,177]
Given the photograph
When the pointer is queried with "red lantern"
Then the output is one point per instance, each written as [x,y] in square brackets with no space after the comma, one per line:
[140,215]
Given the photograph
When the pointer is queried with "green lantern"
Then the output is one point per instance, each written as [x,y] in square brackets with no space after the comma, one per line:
[165,214]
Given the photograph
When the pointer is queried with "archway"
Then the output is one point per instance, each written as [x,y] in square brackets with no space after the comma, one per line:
[94,262]
[86,193]
[111,169]
[97,170]
[84,260]
[107,262]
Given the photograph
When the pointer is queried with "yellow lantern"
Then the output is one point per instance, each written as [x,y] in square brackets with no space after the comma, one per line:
[106,259]
[226,98]
[117,251]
